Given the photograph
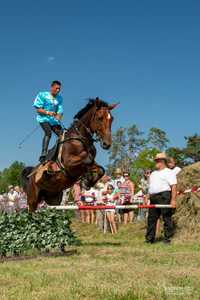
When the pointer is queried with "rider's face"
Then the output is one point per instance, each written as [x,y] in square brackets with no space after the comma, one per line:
[55,89]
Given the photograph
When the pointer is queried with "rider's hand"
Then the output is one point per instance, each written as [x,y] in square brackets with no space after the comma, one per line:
[51,113]
[58,117]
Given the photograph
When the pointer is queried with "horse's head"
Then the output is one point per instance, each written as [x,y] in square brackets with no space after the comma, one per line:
[101,122]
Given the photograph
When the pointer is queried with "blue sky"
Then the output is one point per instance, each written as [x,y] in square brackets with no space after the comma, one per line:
[145,54]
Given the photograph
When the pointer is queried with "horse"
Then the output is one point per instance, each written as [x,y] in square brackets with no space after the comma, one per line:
[76,157]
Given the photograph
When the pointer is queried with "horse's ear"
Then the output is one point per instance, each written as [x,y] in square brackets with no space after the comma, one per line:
[98,102]
[113,106]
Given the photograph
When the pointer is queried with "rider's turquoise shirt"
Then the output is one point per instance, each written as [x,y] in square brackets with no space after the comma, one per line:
[49,103]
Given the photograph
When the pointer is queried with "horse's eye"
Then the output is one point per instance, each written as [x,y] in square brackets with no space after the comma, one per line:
[100,119]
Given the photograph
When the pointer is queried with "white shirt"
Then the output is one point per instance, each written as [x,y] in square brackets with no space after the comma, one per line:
[176,170]
[90,195]
[161,181]
[12,197]
[116,180]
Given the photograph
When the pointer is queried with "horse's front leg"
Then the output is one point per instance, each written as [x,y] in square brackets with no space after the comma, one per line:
[93,174]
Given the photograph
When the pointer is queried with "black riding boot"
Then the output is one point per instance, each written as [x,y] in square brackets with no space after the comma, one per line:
[45,144]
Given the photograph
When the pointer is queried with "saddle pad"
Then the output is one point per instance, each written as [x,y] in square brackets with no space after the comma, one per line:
[40,171]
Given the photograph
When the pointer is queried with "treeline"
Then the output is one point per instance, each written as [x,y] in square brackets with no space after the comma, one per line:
[11,176]
[133,150]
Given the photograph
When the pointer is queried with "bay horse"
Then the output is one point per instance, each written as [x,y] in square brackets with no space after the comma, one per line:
[77,156]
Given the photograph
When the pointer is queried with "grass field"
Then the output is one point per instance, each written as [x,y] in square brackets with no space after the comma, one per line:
[107,267]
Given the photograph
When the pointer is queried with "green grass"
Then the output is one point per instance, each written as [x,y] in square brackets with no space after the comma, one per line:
[107,267]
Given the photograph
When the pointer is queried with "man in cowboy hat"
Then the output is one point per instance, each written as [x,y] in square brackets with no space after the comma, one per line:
[118,177]
[162,190]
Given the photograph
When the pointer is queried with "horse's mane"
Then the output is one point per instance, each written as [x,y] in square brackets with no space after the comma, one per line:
[91,103]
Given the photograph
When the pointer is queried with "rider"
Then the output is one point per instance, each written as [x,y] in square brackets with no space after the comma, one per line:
[49,107]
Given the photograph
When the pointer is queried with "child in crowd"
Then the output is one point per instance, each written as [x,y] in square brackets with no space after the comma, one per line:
[111,199]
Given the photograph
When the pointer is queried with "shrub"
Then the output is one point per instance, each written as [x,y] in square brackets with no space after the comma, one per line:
[45,230]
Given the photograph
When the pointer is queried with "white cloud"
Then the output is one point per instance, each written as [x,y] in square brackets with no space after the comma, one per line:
[51,58]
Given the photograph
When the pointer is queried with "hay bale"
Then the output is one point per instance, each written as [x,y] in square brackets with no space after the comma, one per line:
[187,216]
[189,177]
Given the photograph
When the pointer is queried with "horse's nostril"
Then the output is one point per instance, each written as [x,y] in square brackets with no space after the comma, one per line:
[106,146]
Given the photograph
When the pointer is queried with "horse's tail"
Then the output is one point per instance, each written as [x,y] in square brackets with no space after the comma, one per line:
[24,176]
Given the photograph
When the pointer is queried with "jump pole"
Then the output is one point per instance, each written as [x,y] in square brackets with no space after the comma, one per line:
[104,207]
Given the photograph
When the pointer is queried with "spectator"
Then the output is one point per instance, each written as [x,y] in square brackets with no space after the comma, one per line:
[78,199]
[144,186]
[106,180]
[18,195]
[2,204]
[76,191]
[162,190]
[126,196]
[144,183]
[12,198]
[111,199]
[22,200]
[121,192]
[172,165]
[89,199]
[118,177]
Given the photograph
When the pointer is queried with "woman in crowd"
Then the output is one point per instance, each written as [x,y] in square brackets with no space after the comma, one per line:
[111,199]
[90,197]
[126,195]
[79,199]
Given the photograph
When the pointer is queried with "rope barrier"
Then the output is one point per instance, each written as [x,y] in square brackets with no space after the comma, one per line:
[105,207]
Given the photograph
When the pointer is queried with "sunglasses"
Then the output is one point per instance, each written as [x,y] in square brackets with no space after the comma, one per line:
[159,160]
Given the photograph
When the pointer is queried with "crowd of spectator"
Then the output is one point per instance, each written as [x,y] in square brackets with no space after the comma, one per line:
[119,190]
[108,191]
[14,200]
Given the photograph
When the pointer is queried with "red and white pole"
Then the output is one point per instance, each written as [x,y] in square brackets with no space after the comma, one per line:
[104,207]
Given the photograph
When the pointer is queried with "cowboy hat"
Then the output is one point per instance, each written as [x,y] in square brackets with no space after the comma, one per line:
[118,171]
[161,155]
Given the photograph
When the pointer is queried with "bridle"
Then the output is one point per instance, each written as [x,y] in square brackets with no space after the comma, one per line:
[87,129]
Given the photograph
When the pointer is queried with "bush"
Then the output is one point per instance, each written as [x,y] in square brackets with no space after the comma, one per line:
[45,230]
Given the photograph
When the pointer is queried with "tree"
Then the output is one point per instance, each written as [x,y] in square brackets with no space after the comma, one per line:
[127,143]
[135,141]
[192,150]
[144,161]
[117,153]
[11,175]
[178,154]
[158,138]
